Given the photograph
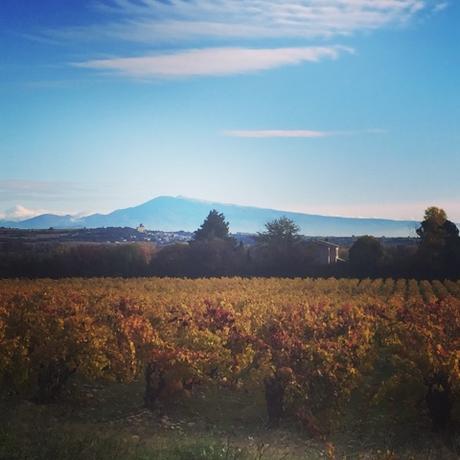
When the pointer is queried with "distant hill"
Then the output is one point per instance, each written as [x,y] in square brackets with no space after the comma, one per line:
[45,221]
[179,213]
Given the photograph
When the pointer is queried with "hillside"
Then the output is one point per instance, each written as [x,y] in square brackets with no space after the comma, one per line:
[179,213]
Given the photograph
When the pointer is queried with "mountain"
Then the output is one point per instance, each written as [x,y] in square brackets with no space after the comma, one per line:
[45,221]
[179,213]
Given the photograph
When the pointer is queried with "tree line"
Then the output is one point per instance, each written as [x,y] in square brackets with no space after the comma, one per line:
[280,250]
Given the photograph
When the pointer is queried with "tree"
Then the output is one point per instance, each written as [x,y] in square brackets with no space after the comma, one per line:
[279,248]
[439,248]
[366,255]
[282,232]
[213,227]
[435,227]
[217,257]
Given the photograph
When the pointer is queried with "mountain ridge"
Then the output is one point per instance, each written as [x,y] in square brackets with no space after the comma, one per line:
[169,213]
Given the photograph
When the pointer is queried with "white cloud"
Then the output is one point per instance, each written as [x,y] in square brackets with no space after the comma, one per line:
[440,7]
[228,22]
[153,21]
[18,213]
[295,133]
[158,21]
[212,61]
[261,134]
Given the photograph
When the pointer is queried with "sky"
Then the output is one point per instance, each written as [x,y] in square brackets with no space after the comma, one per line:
[334,107]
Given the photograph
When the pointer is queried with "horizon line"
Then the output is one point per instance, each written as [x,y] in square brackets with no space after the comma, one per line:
[78,216]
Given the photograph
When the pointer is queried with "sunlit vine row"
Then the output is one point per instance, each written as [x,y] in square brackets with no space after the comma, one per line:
[307,344]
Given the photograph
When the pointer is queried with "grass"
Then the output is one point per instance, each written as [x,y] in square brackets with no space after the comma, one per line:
[108,422]
[75,446]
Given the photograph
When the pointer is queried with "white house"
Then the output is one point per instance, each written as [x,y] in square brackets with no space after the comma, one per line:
[324,252]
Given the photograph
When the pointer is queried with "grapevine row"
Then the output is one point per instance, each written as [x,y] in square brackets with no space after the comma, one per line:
[307,344]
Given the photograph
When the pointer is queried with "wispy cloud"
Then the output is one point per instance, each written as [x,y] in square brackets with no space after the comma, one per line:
[35,189]
[293,134]
[261,134]
[440,7]
[151,21]
[404,210]
[159,21]
[212,61]
[224,24]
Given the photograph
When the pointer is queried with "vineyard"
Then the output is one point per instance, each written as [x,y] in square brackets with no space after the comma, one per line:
[311,347]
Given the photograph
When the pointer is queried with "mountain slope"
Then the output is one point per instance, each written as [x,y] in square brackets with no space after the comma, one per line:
[178,213]
[46,221]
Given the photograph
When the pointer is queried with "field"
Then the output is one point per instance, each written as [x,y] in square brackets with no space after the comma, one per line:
[229,368]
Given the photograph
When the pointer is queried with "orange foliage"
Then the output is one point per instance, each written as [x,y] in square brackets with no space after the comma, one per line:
[314,341]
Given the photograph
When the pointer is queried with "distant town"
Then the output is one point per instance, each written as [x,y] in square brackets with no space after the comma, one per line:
[120,235]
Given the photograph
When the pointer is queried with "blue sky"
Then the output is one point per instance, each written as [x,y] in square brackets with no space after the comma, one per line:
[339,107]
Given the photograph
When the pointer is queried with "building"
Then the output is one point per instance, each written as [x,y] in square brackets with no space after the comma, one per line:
[141,228]
[324,252]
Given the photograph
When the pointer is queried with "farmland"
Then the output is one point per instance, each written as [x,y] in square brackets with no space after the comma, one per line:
[307,362]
